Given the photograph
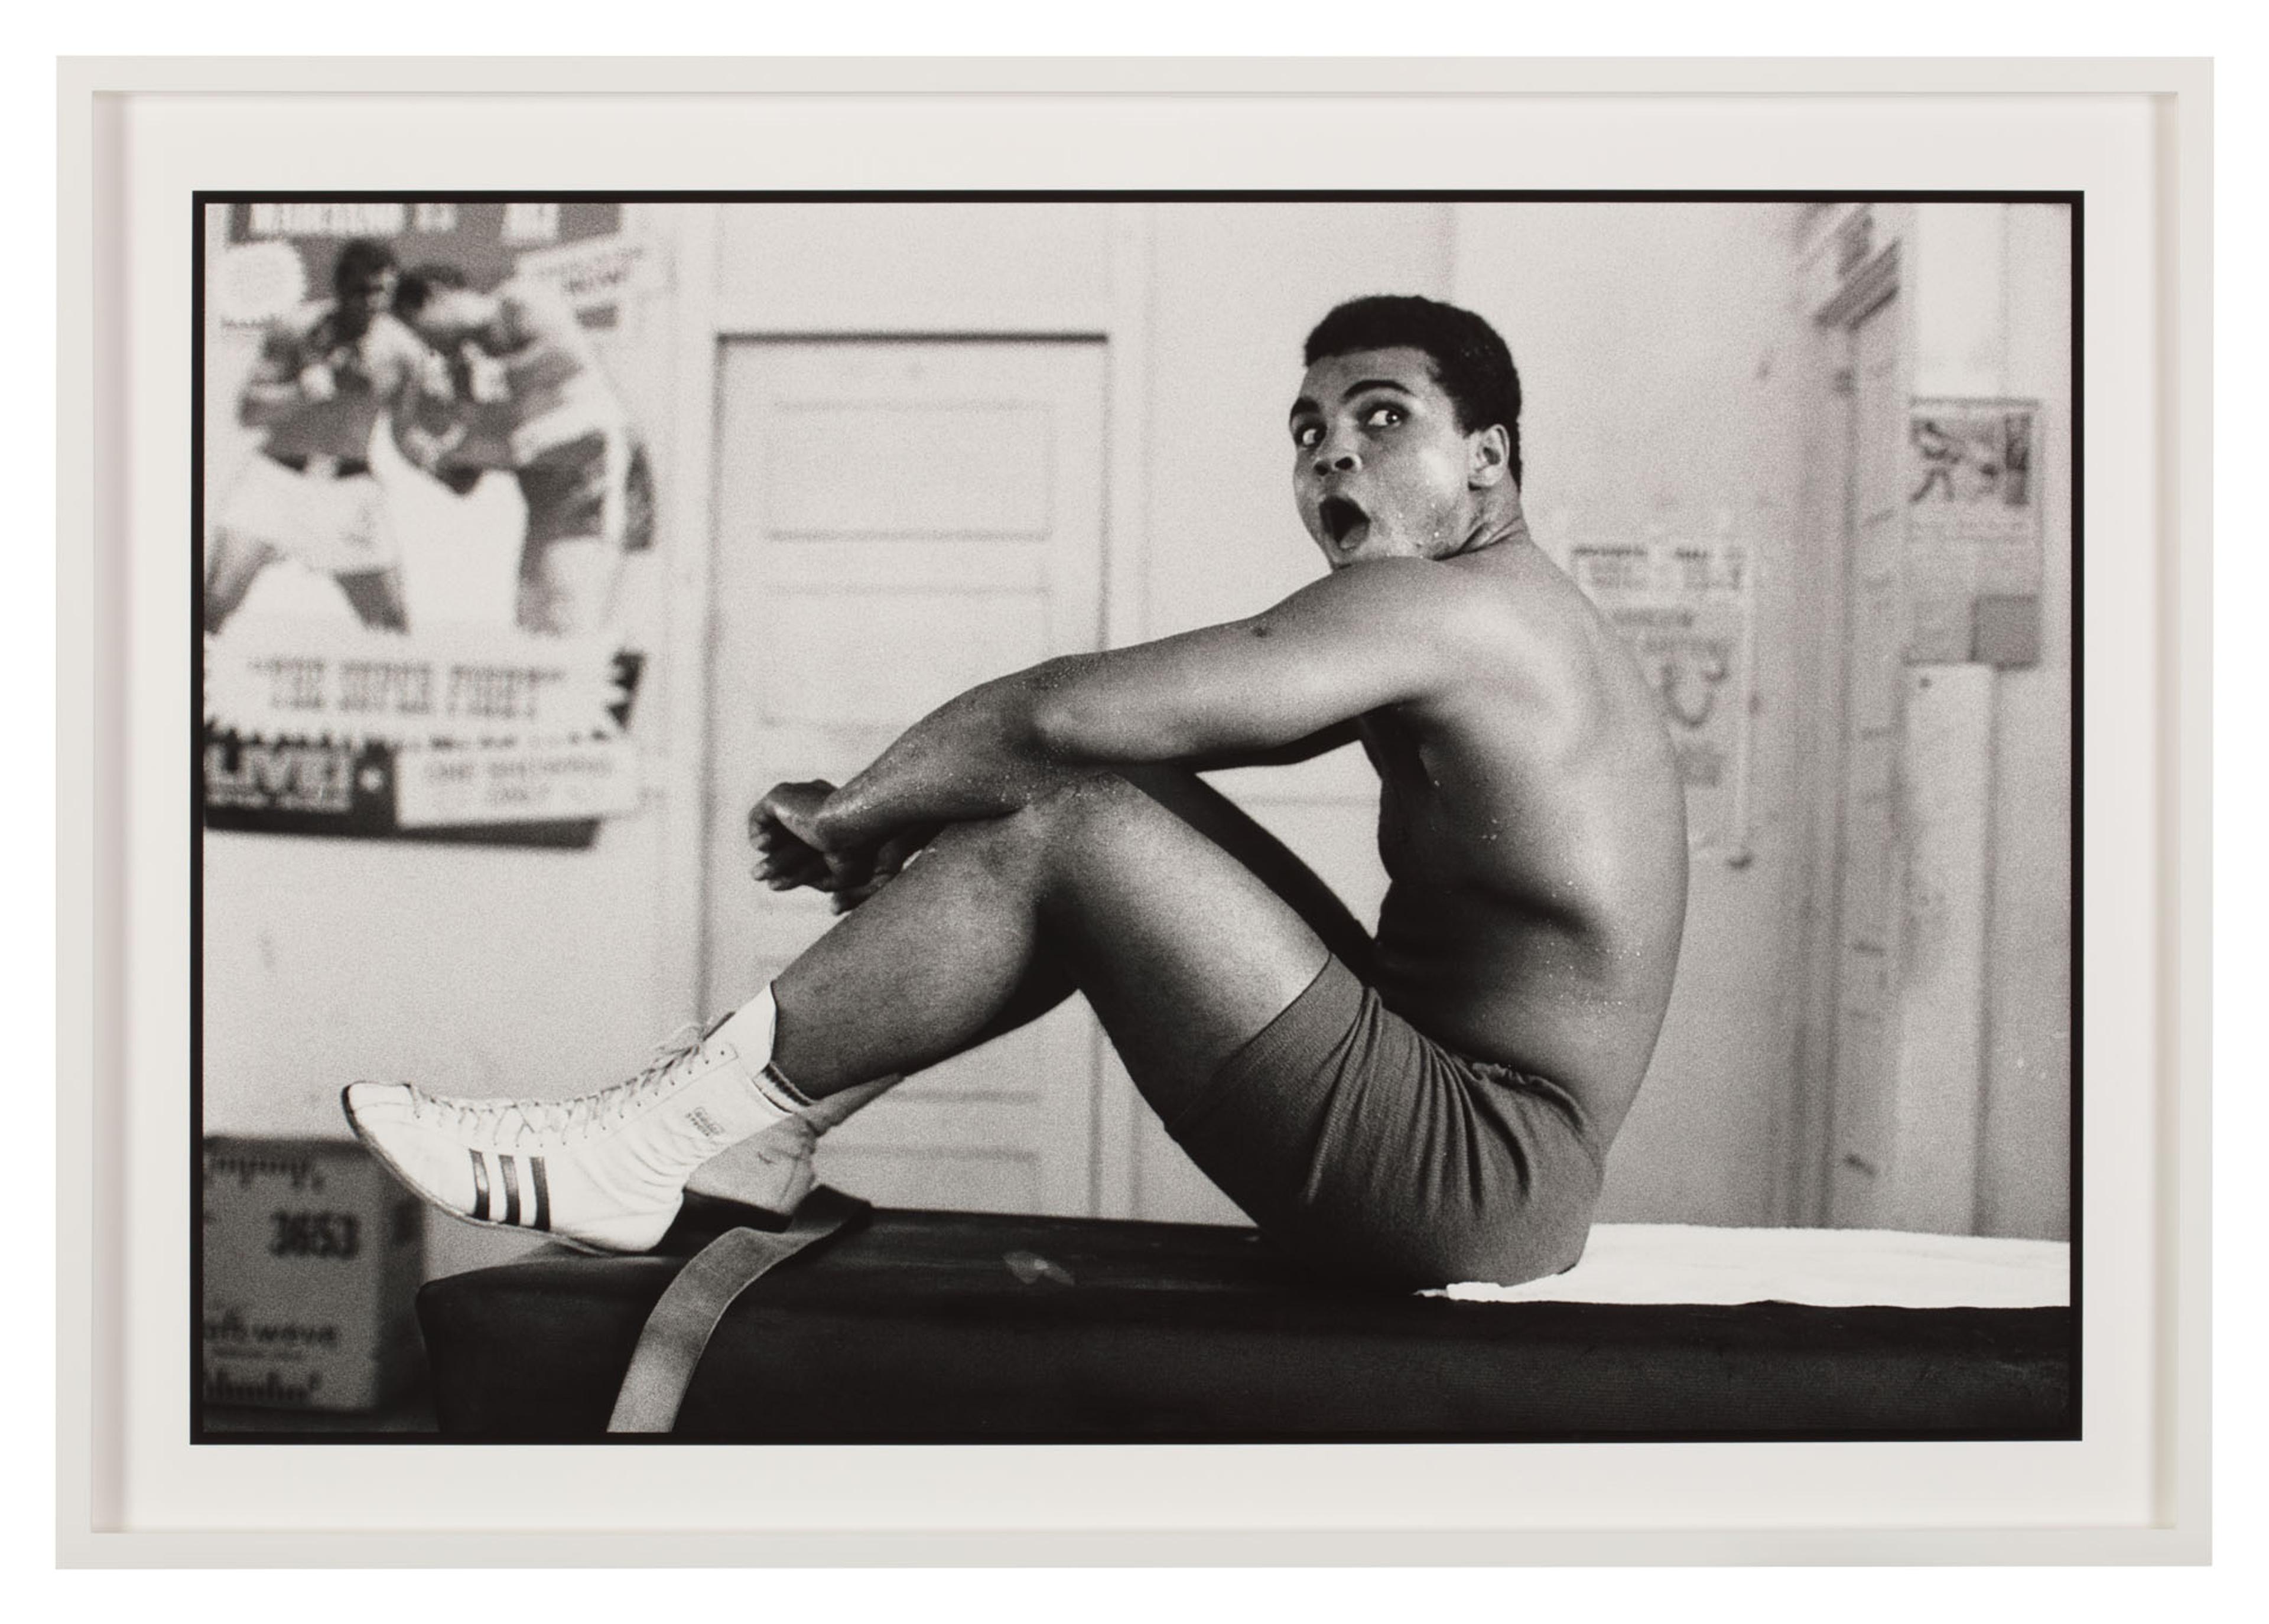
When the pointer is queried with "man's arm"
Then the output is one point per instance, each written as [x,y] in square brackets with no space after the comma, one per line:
[1382,633]
[544,314]
[420,397]
[1318,743]
[278,386]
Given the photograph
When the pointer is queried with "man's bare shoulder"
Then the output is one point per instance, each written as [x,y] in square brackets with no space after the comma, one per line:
[391,337]
[300,327]
[1401,612]
[1425,632]
[540,311]
[1522,618]
[1401,596]
[1509,606]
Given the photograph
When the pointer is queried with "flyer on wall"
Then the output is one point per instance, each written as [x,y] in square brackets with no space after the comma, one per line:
[427,501]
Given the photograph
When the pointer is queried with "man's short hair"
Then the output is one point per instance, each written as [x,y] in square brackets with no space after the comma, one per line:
[1471,362]
[423,282]
[360,263]
[419,284]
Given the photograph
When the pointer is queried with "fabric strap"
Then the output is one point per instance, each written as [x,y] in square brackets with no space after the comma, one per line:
[670,1347]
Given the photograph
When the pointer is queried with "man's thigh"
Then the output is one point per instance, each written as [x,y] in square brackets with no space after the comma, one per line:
[1222,820]
[1185,952]
[567,587]
[231,563]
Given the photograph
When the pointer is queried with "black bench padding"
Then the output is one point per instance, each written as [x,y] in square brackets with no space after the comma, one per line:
[960,1327]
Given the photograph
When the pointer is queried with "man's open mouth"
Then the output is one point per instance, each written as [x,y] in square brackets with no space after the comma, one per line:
[1342,520]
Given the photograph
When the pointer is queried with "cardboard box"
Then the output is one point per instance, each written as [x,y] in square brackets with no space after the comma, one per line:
[313,1255]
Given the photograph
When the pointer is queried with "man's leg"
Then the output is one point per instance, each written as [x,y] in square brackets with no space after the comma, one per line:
[376,597]
[364,558]
[575,494]
[231,567]
[1225,824]
[774,1169]
[567,585]
[1212,815]
[1184,951]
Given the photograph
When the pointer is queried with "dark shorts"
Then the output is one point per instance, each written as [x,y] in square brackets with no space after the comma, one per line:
[1378,1156]
[594,487]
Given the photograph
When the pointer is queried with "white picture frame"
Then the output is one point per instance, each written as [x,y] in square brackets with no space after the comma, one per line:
[137,135]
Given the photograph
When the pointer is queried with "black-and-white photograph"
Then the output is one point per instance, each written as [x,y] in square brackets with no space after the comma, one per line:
[1135,818]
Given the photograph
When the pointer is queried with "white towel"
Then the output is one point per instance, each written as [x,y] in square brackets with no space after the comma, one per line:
[1830,1268]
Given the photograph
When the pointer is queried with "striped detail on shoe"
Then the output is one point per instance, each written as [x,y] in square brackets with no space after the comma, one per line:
[508,1176]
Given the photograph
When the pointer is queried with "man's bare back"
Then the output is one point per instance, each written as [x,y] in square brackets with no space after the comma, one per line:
[1533,828]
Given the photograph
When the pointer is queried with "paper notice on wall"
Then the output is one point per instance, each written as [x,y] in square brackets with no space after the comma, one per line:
[463,686]
[595,778]
[597,273]
[1973,533]
[1685,608]
[498,719]
[313,727]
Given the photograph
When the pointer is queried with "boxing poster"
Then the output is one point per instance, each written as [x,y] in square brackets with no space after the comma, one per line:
[1973,533]
[425,488]
[1686,610]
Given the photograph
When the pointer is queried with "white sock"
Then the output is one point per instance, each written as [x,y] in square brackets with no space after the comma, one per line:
[772,1168]
[750,1030]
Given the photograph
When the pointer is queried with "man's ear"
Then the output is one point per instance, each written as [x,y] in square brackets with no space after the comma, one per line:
[1489,457]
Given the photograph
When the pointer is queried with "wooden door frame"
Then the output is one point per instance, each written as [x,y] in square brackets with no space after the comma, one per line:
[677,774]
[1804,1170]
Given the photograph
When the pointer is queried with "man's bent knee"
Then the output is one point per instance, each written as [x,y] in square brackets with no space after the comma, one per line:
[1076,809]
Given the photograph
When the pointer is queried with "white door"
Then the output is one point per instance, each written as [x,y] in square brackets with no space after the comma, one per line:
[897,521]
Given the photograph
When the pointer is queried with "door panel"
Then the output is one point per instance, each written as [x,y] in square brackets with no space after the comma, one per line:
[933,471]
[842,658]
[897,521]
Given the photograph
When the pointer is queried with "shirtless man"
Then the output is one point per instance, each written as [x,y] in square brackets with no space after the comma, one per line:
[1431,1104]
[531,397]
[325,373]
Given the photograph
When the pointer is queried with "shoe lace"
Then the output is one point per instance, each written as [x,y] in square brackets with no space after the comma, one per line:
[524,1120]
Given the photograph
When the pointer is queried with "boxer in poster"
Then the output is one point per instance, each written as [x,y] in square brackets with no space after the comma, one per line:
[326,370]
[530,396]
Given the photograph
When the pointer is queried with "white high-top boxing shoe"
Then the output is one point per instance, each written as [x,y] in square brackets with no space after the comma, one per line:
[605,1172]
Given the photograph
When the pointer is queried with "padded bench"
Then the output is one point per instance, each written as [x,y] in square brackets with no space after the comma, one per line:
[963,1327]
